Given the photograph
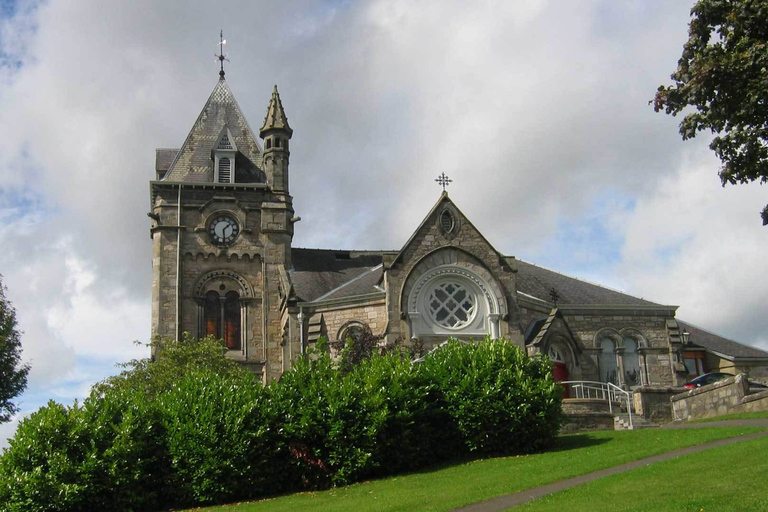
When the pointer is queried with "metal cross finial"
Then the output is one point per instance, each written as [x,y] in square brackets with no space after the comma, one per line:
[554,295]
[444,180]
[221,55]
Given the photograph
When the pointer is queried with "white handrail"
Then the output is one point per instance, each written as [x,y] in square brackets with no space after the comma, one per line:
[601,391]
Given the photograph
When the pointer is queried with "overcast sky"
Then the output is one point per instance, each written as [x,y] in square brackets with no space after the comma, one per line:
[538,111]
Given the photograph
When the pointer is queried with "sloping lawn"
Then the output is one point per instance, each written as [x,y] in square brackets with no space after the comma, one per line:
[737,416]
[461,484]
[721,479]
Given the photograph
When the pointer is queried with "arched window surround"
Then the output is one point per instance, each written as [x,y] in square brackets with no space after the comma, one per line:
[622,358]
[229,320]
[425,318]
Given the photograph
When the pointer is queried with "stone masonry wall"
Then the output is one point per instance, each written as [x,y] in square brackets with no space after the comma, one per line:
[465,238]
[724,397]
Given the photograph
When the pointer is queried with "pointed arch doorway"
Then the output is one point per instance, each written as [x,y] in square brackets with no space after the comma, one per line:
[560,368]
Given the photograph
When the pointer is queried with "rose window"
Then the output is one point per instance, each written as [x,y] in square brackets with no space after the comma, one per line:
[451,305]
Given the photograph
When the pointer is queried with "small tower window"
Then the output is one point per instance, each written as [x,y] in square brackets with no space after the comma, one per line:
[277,143]
[269,143]
[225,170]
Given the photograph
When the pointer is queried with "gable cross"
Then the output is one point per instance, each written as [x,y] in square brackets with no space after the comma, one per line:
[554,295]
[444,180]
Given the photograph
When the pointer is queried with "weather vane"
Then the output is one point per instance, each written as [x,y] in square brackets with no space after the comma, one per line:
[444,180]
[221,55]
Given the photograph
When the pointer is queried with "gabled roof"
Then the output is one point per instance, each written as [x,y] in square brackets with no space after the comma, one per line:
[721,346]
[322,274]
[443,199]
[275,118]
[194,161]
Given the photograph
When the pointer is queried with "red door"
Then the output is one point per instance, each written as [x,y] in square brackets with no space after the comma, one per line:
[560,373]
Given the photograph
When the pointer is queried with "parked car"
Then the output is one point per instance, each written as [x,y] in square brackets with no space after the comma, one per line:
[707,378]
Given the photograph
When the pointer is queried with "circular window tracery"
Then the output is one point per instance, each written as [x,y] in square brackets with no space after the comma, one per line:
[451,305]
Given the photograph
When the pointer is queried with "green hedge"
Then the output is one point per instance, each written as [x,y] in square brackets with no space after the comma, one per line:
[192,429]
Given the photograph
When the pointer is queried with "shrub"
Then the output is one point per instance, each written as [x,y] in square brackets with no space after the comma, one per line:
[345,425]
[221,438]
[102,455]
[499,400]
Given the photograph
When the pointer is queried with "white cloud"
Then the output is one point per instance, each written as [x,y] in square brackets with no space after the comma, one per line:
[538,111]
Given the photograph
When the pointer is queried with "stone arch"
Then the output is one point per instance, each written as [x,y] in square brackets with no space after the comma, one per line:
[635,369]
[444,256]
[351,325]
[631,332]
[227,278]
[449,292]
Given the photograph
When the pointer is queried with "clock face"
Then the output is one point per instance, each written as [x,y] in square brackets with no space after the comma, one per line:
[223,230]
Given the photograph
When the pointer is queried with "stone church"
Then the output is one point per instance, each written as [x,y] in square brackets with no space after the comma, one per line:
[222,223]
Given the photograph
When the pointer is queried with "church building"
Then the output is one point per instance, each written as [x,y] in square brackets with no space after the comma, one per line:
[223,263]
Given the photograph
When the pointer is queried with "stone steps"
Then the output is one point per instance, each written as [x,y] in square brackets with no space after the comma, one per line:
[621,422]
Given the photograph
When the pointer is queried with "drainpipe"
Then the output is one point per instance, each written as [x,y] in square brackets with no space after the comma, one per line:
[178,266]
[301,330]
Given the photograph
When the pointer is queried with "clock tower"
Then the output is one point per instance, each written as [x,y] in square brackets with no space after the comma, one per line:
[221,225]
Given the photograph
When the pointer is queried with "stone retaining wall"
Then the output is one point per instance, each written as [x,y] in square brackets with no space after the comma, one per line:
[586,414]
[729,396]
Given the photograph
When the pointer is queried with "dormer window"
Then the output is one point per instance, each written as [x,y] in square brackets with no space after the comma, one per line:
[224,158]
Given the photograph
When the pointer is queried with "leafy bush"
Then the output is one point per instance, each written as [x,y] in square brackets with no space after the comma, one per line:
[342,426]
[499,400]
[102,455]
[194,428]
[221,438]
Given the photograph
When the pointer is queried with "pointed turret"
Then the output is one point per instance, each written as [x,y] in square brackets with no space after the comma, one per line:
[276,134]
[275,118]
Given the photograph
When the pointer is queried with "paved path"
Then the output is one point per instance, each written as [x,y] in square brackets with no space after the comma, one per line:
[512,500]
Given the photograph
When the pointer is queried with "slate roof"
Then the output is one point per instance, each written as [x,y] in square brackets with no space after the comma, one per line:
[334,274]
[164,157]
[724,346]
[194,161]
[538,281]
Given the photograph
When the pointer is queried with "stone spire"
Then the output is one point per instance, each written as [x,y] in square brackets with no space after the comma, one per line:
[275,118]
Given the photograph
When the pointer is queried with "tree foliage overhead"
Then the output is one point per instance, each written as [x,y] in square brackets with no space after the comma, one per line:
[723,74]
[13,375]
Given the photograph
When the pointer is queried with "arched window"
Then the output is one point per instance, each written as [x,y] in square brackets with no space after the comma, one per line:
[212,314]
[608,366]
[632,376]
[231,335]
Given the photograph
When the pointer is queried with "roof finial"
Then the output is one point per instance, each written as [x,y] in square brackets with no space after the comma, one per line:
[221,55]
[444,181]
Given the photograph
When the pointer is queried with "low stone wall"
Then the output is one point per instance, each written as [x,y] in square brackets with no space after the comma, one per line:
[586,414]
[729,396]
[653,403]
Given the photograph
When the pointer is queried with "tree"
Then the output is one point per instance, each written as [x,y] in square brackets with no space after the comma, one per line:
[13,375]
[723,74]
[175,359]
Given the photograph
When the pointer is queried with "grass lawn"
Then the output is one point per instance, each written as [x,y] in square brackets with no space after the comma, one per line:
[725,478]
[738,416]
[461,484]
